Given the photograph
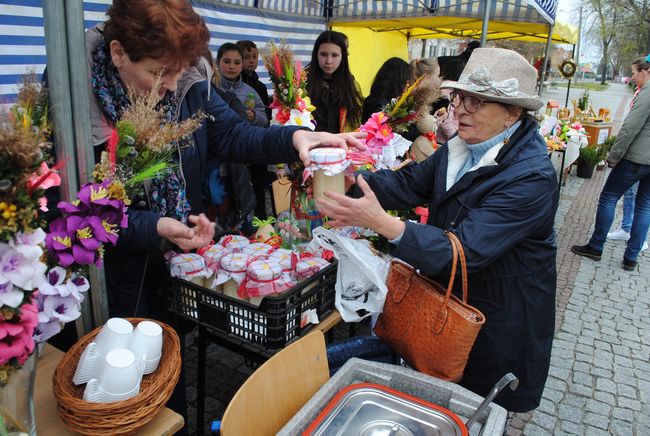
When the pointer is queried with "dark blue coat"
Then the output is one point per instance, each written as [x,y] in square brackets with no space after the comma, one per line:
[503,215]
[226,138]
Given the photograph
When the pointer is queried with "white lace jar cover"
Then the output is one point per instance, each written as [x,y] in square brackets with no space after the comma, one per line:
[258,250]
[234,243]
[212,256]
[328,165]
[309,266]
[264,277]
[284,256]
[188,266]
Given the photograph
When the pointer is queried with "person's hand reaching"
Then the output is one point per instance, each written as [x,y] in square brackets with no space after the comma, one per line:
[360,212]
[187,238]
[304,141]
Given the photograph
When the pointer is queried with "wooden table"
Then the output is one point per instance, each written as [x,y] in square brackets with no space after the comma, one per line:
[47,419]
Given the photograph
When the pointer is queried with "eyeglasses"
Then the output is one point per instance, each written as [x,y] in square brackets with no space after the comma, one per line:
[470,103]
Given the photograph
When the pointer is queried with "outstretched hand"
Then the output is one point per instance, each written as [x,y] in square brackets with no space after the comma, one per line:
[360,212]
[187,238]
[304,141]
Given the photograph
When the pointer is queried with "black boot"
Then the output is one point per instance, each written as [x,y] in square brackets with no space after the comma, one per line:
[587,251]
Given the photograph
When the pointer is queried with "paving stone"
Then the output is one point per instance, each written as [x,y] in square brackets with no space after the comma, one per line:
[596,420]
[535,430]
[582,378]
[582,390]
[600,372]
[553,395]
[627,403]
[571,428]
[598,407]
[570,414]
[627,391]
[605,397]
[623,414]
[544,420]
[621,428]
[595,431]
[605,385]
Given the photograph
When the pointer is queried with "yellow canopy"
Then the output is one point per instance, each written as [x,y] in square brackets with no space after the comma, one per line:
[464,27]
[374,41]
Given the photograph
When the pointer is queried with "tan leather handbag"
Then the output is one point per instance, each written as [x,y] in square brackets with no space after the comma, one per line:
[431,329]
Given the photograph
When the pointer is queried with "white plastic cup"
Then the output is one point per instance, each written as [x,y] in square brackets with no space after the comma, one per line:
[116,333]
[120,375]
[147,343]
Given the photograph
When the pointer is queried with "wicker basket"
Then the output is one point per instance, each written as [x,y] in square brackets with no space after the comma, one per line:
[121,417]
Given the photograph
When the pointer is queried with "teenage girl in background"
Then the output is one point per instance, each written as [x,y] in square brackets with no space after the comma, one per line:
[331,85]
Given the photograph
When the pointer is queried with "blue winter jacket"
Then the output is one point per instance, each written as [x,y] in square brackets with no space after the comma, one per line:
[503,215]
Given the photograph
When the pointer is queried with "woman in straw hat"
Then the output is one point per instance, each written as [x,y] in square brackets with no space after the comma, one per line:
[492,185]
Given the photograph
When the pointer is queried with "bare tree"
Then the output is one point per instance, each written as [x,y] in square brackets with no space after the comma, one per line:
[604,14]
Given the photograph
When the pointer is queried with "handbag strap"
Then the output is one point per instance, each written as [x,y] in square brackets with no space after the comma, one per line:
[457,253]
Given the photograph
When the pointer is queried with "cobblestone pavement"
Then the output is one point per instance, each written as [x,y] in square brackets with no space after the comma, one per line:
[599,381]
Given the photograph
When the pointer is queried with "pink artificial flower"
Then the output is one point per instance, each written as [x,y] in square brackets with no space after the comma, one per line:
[42,204]
[44,178]
[300,104]
[283,116]
[379,132]
[16,337]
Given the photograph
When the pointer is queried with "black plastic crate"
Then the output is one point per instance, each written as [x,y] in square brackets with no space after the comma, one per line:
[272,325]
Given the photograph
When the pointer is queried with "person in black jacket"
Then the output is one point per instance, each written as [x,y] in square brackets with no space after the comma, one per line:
[389,83]
[495,188]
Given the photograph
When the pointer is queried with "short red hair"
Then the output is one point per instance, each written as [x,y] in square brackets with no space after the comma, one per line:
[160,29]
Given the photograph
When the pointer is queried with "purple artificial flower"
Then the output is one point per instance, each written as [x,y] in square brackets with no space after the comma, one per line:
[29,244]
[45,330]
[20,271]
[74,287]
[63,309]
[10,296]
[53,279]
[59,242]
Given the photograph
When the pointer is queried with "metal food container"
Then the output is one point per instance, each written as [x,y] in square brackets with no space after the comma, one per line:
[368,409]
[446,395]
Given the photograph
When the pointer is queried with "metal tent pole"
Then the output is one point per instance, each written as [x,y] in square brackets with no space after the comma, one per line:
[487,4]
[545,62]
[69,104]
[80,93]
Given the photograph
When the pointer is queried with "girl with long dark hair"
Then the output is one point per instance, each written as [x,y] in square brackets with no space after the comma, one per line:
[331,85]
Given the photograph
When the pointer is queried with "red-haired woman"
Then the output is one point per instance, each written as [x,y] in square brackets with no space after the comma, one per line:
[141,41]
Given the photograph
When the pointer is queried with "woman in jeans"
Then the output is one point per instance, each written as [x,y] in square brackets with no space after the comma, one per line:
[630,158]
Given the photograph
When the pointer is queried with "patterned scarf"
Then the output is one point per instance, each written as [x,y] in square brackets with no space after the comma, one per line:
[167,193]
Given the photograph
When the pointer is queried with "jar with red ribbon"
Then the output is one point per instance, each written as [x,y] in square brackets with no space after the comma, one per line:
[264,277]
[309,266]
[234,243]
[232,272]
[212,255]
[328,166]
[188,266]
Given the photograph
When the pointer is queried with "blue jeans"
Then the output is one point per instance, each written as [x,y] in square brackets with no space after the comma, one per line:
[628,207]
[623,176]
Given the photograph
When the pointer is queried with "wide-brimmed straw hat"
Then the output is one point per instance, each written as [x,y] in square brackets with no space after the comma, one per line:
[497,74]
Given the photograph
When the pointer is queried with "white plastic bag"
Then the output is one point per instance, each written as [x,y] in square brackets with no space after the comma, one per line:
[361,276]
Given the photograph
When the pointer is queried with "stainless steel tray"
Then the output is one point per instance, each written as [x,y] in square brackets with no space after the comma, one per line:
[367,409]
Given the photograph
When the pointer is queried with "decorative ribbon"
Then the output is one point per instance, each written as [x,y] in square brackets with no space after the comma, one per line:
[201,251]
[261,223]
[481,80]
[431,136]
